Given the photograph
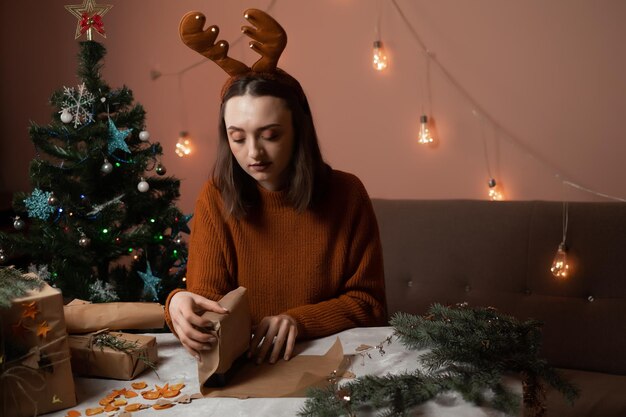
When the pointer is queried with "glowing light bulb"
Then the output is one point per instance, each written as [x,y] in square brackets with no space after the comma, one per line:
[424,136]
[495,194]
[560,267]
[379,56]
[183,146]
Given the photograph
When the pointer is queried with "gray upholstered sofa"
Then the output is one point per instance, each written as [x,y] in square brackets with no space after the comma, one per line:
[499,254]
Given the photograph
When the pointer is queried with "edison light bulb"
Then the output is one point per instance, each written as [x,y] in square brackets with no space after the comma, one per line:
[560,267]
[494,192]
[424,135]
[183,146]
[379,57]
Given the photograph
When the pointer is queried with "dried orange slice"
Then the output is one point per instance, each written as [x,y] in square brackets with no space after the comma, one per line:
[73,413]
[133,407]
[171,393]
[120,401]
[130,394]
[94,411]
[177,387]
[151,395]
[106,400]
[162,406]
[139,385]
[110,407]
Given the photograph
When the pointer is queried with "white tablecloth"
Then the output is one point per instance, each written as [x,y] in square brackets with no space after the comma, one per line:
[176,365]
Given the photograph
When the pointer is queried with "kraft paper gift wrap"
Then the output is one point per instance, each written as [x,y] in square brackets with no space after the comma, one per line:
[233,336]
[35,374]
[243,377]
[84,317]
[89,359]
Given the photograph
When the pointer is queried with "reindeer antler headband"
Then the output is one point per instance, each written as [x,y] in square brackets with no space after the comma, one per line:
[268,39]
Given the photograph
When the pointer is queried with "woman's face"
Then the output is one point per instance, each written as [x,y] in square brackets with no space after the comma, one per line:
[260,136]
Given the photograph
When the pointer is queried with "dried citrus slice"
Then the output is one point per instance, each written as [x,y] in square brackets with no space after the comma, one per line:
[139,385]
[170,393]
[177,387]
[151,395]
[94,411]
[120,401]
[130,394]
[133,407]
[110,407]
[162,406]
[106,400]
[73,413]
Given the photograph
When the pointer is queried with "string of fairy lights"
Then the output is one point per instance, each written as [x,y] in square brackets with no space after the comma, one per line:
[424,134]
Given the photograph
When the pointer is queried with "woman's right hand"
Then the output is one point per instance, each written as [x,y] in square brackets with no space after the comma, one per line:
[195,334]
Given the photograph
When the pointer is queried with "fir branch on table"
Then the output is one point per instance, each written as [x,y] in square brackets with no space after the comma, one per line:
[15,284]
[471,351]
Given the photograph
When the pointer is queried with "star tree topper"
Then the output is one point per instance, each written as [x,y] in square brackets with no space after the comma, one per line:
[89,15]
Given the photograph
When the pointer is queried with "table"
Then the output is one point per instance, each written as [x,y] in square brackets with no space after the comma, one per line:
[176,365]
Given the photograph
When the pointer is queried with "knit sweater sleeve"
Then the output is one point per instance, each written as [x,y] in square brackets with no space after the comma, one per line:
[210,262]
[360,301]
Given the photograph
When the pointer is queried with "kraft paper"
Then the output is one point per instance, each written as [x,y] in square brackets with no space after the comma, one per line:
[84,317]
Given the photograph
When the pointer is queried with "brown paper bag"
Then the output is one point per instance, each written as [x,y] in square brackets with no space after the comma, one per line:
[105,362]
[35,374]
[84,317]
[233,333]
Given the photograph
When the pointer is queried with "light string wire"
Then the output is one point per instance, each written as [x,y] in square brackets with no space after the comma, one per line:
[565,221]
[508,135]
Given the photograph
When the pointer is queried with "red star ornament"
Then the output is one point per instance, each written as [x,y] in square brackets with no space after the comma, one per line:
[89,8]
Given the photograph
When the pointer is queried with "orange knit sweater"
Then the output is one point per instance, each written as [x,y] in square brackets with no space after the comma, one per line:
[323,267]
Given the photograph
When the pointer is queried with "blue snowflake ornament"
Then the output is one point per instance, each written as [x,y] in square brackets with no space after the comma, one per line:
[37,204]
[117,138]
[150,283]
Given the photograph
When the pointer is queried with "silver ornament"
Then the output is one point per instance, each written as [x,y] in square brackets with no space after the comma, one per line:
[84,241]
[3,257]
[144,135]
[18,223]
[106,167]
[66,116]
[143,186]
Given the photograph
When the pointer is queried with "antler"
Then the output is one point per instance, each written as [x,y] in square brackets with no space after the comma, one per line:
[268,39]
[203,42]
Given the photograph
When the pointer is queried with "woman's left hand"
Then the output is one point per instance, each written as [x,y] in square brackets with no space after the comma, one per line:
[276,332]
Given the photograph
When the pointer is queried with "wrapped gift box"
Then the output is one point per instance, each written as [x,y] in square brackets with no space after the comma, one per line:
[91,359]
[35,370]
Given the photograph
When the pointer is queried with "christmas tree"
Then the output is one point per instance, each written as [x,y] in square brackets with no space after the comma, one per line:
[99,224]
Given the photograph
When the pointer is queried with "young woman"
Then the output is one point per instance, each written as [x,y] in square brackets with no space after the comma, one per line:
[274,218]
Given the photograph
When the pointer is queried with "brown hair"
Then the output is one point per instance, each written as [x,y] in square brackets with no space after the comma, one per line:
[307,170]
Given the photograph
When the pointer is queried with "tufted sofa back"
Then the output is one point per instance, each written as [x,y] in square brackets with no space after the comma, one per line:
[499,254]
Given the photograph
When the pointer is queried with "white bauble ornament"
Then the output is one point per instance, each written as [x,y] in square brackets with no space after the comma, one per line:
[144,135]
[66,116]
[3,257]
[106,167]
[143,186]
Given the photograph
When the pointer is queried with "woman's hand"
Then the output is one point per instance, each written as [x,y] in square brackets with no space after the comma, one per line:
[186,309]
[276,332]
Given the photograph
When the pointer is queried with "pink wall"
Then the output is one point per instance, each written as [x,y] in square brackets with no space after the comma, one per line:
[549,76]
